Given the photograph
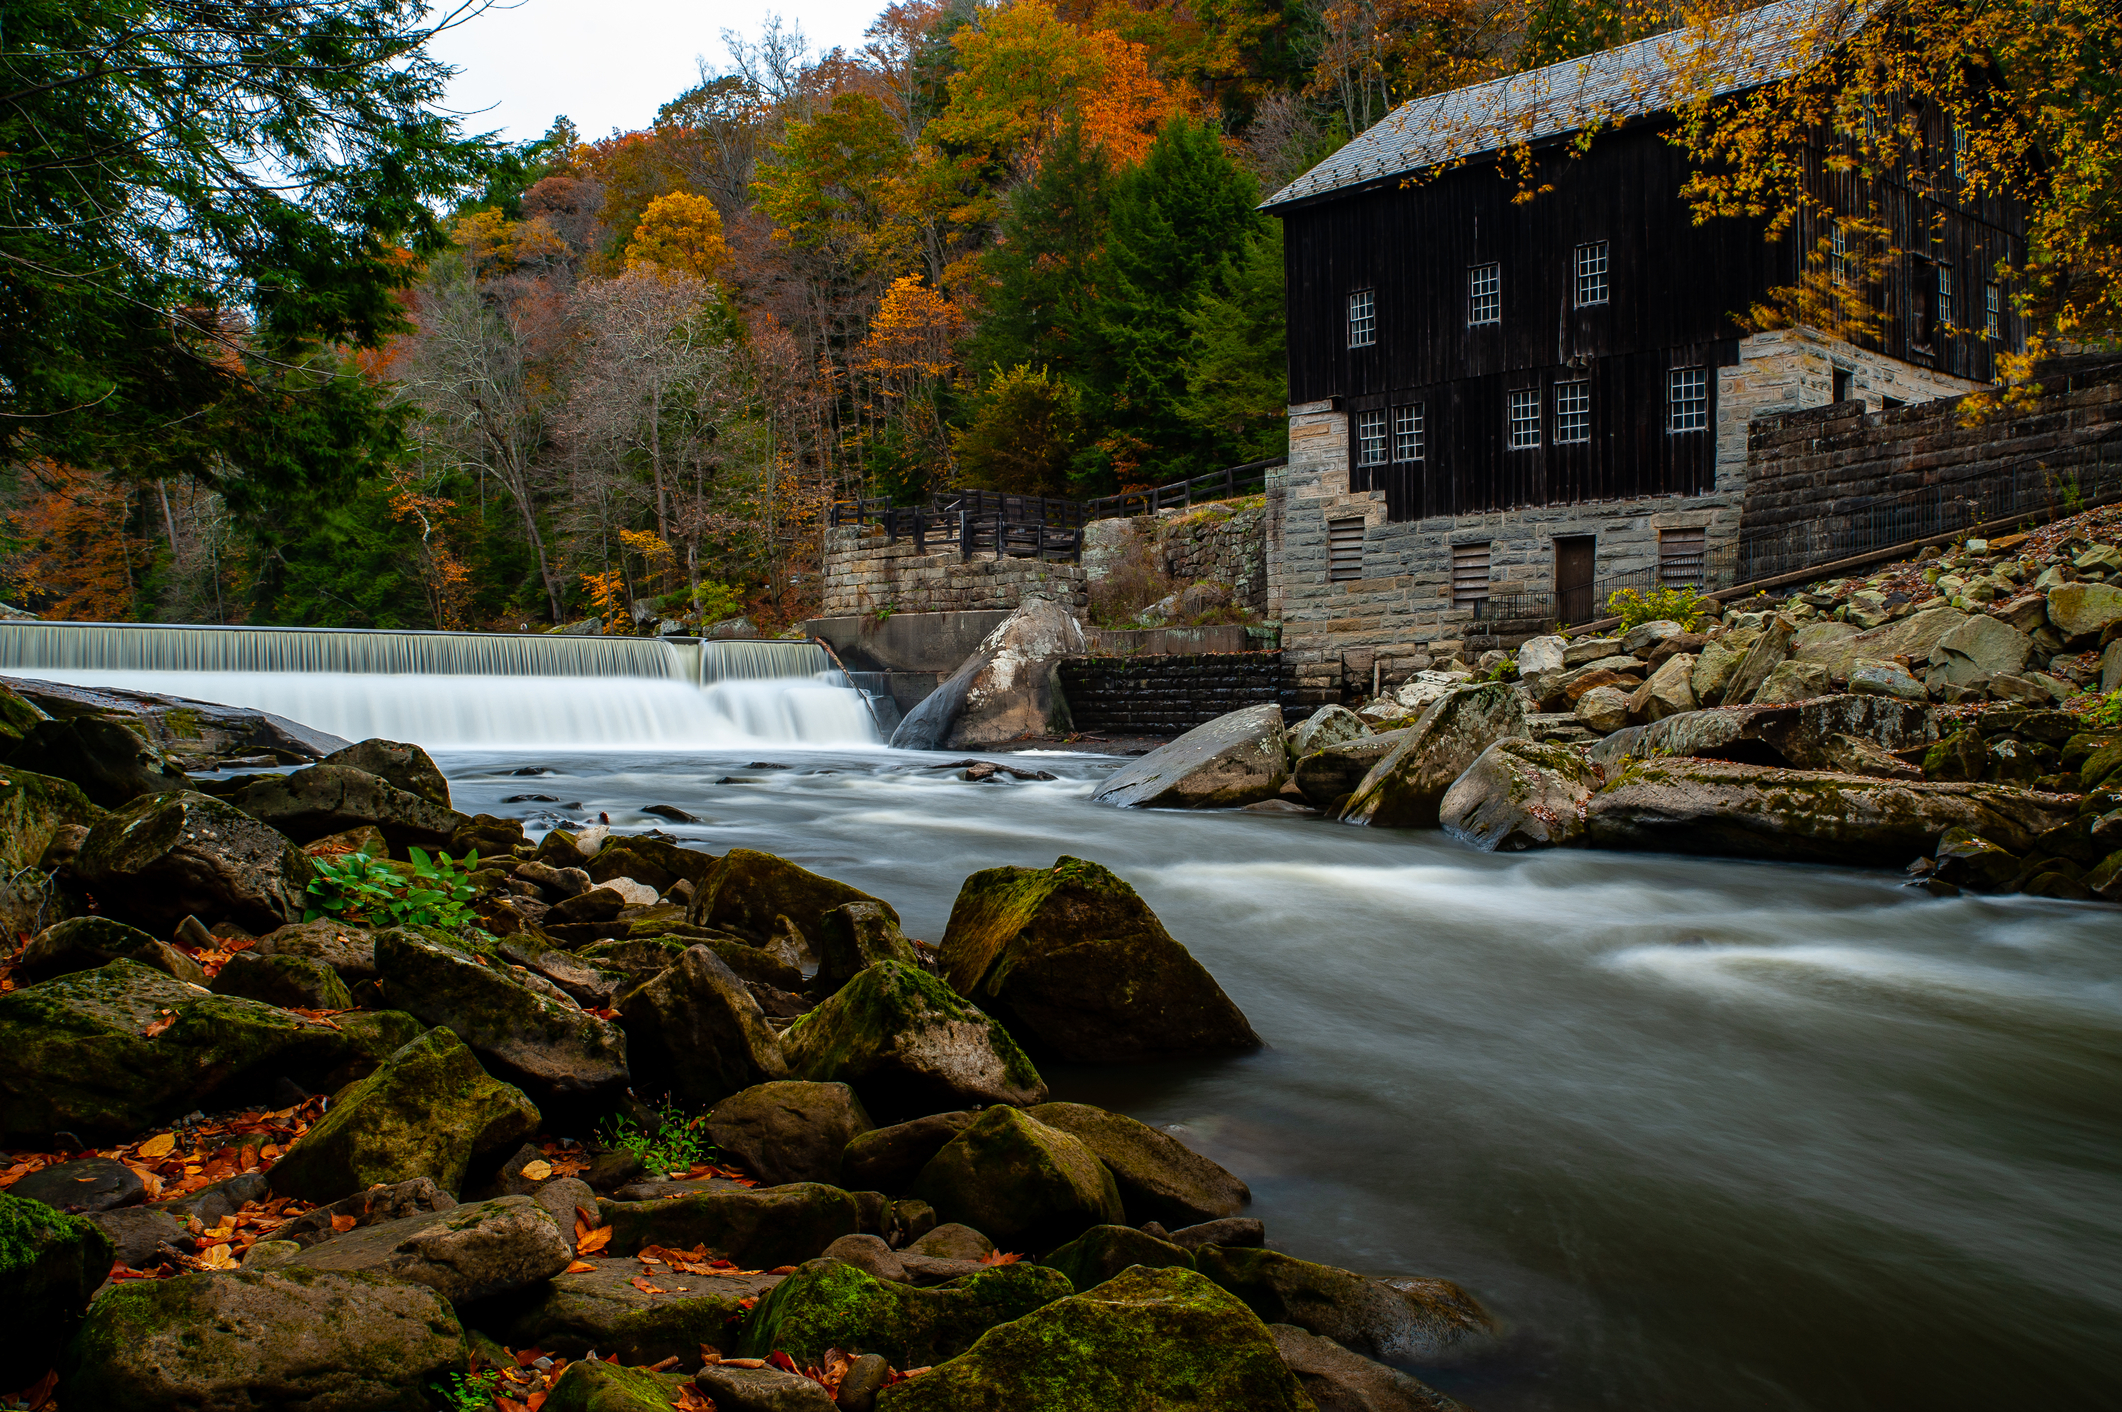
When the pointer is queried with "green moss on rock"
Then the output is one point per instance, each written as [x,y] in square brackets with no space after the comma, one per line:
[759,1229]
[746,890]
[49,1265]
[605,1387]
[32,807]
[1104,1251]
[827,1304]
[1021,1183]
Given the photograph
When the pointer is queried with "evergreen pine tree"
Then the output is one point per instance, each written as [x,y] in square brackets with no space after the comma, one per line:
[1040,307]
[1237,380]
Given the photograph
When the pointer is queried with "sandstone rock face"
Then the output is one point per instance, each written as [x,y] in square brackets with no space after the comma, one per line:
[1792,681]
[427,1112]
[397,764]
[829,1304]
[1869,678]
[111,764]
[789,1131]
[1329,725]
[1144,1341]
[1713,671]
[1159,1178]
[746,890]
[49,1266]
[909,1045]
[1769,649]
[1667,692]
[696,1033]
[1521,794]
[1714,806]
[467,1252]
[1406,789]
[249,1341]
[1327,775]
[1020,1182]
[1542,654]
[1077,965]
[325,799]
[1407,1321]
[1013,694]
[1838,648]
[85,943]
[1234,760]
[167,855]
[1788,734]
[1603,709]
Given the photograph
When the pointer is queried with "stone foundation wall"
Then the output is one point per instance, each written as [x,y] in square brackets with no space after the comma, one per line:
[1223,542]
[1167,695]
[864,574]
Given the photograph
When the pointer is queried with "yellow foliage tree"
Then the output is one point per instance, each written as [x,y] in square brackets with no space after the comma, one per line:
[682,233]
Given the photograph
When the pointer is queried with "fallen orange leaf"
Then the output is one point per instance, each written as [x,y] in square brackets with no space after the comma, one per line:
[644,1286]
[590,1242]
[537,1171]
[158,1026]
[341,1224]
[160,1145]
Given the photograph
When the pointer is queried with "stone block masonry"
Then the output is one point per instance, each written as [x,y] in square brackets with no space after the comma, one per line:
[1168,695]
[864,574]
[1221,542]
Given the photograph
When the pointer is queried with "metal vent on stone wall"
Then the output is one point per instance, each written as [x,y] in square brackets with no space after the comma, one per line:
[1469,574]
[1682,557]
[1344,549]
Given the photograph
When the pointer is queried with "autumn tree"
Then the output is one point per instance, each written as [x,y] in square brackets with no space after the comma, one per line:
[907,367]
[681,234]
[1026,434]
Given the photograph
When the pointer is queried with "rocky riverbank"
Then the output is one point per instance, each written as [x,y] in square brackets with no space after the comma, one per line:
[604,1122]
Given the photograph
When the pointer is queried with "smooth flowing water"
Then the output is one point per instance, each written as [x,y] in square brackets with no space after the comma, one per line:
[1705,1134]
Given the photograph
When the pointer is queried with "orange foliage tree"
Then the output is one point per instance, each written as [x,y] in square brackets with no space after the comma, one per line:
[73,557]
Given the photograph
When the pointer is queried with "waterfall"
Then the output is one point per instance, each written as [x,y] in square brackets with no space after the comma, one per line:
[470,691]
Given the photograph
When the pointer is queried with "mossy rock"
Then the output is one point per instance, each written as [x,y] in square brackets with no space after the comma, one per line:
[80,1059]
[291,982]
[607,1387]
[1078,966]
[49,1265]
[829,1304]
[602,1309]
[1104,1251]
[111,764]
[1024,1185]
[32,809]
[758,1229]
[1423,1321]
[745,891]
[312,803]
[908,1045]
[1144,1341]
[1160,1178]
[84,943]
[17,715]
[249,1340]
[427,1112]
[166,855]
[857,935]
[2102,768]
[651,861]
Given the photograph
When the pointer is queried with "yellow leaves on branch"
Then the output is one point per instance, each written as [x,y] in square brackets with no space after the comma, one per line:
[912,339]
[681,233]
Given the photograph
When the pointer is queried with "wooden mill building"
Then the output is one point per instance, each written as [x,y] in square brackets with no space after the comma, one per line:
[1505,409]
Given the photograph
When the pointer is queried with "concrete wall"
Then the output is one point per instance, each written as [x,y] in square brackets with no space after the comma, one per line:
[1167,695]
[864,575]
[907,642]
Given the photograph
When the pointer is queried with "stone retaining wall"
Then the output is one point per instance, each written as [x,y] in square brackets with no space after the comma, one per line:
[864,574]
[1167,695]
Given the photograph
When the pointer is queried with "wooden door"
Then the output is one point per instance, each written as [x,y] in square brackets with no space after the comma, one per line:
[1574,558]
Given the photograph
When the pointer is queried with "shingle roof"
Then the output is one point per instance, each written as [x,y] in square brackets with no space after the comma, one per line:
[1610,87]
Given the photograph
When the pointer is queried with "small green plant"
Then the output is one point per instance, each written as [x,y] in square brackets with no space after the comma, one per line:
[354,887]
[467,1392]
[1503,670]
[2102,712]
[678,1143]
[1679,605]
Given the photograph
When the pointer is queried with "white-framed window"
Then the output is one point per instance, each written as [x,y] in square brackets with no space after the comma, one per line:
[1484,294]
[1408,432]
[1591,274]
[1992,310]
[1959,153]
[1945,299]
[1525,419]
[1370,438]
[1362,318]
[1469,574]
[1688,399]
[1573,412]
[1841,263]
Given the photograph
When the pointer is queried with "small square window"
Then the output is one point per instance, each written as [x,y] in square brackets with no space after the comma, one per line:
[1945,299]
[1370,438]
[1689,399]
[1407,433]
[1573,412]
[1469,574]
[1591,274]
[1362,319]
[1992,310]
[1484,294]
[1525,419]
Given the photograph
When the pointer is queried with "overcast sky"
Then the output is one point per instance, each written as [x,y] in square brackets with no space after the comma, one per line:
[610,63]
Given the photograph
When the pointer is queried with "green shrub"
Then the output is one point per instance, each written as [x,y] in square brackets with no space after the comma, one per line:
[357,888]
[1679,605]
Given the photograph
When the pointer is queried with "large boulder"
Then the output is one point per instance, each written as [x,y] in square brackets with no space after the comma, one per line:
[1012,693]
[1075,962]
[1802,734]
[49,1266]
[1144,1341]
[696,1034]
[112,765]
[1159,1178]
[105,1053]
[1339,1381]
[1713,669]
[745,891]
[1839,647]
[569,1062]
[1327,776]
[655,861]
[1406,789]
[1666,692]
[291,982]
[1521,794]
[1978,649]
[1234,760]
[790,1131]
[757,1228]
[831,1304]
[397,764]
[166,856]
[1767,653]
[84,943]
[889,1159]
[909,1045]
[1329,725]
[326,799]
[1409,1321]
[347,949]
[194,732]
[1020,1182]
[1104,1251]
[856,936]
[428,1111]
[601,1308]
[264,1340]
[2081,612]
[1683,805]
[463,1253]
[596,1386]
[34,808]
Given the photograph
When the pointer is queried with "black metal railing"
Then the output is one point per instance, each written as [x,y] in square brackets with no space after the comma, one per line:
[1226,484]
[1705,573]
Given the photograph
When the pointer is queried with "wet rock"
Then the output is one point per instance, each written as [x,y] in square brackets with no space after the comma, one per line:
[1406,788]
[657,862]
[1976,650]
[1144,1341]
[111,764]
[1327,726]
[1159,1177]
[758,1228]
[950,1241]
[1236,759]
[744,893]
[1020,1182]
[1718,807]
[427,1112]
[602,1309]
[464,1253]
[855,936]
[1231,1230]
[256,1339]
[291,982]
[349,950]
[1328,775]
[82,1187]
[597,1386]
[1104,1251]
[164,856]
[790,1131]
[828,1304]
[696,1033]
[1075,962]
[324,799]
[1417,1321]
[1012,692]
[1521,794]
[1763,657]
[85,943]
[1339,1381]
[397,764]
[908,1045]
[736,1389]
[80,1058]
[367,1207]
[50,1264]
[568,1062]
[888,1159]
